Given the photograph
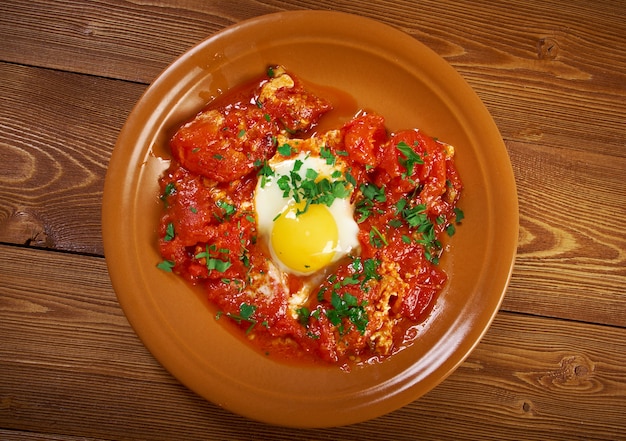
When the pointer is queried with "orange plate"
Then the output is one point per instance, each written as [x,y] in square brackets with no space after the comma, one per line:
[384,70]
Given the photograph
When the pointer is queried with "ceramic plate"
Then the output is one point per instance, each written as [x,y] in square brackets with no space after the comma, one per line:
[384,70]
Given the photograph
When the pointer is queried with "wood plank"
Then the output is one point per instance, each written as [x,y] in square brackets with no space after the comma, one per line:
[15,435]
[547,73]
[66,341]
[58,132]
[63,295]
[111,38]
[572,253]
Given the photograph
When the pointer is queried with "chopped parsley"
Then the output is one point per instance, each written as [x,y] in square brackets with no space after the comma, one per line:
[459,215]
[166,265]
[411,158]
[213,263]
[246,314]
[348,307]
[377,239]
[344,310]
[285,150]
[371,194]
[313,189]
[326,154]
[169,232]
[169,190]
[417,219]
[229,210]
[265,172]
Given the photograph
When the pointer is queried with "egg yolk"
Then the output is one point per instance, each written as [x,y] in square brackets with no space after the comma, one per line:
[305,242]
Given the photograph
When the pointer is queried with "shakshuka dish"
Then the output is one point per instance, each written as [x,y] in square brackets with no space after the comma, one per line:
[317,245]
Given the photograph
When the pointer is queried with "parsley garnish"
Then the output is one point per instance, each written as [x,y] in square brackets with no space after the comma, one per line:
[229,209]
[326,154]
[344,307]
[311,189]
[285,150]
[303,315]
[371,194]
[214,263]
[417,219]
[459,215]
[246,313]
[264,172]
[410,157]
[166,265]
[377,238]
[169,190]
[169,232]
[347,307]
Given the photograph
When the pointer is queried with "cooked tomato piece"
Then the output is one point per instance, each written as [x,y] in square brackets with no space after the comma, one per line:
[363,138]
[225,145]
[285,100]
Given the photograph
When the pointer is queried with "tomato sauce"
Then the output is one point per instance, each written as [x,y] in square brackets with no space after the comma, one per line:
[405,194]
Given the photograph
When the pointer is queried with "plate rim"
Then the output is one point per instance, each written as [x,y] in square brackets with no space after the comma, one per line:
[110,201]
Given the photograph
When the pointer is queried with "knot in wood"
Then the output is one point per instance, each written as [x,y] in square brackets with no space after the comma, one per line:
[547,48]
[27,226]
[575,370]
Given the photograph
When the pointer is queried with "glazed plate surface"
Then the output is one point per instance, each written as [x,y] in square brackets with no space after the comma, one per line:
[383,70]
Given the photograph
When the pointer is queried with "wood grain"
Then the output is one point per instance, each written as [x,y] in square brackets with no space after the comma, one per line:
[15,435]
[571,260]
[58,132]
[526,374]
[552,366]
[522,57]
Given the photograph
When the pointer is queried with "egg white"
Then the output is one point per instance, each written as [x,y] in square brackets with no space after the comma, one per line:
[270,202]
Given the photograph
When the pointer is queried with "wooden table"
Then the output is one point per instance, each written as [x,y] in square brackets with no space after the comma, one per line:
[552,366]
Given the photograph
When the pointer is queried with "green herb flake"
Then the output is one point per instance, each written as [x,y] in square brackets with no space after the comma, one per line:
[326,154]
[311,174]
[285,150]
[371,195]
[377,239]
[411,158]
[169,232]
[347,307]
[213,263]
[229,209]
[265,172]
[166,265]
[303,315]
[459,215]
[169,190]
[246,313]
[450,230]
